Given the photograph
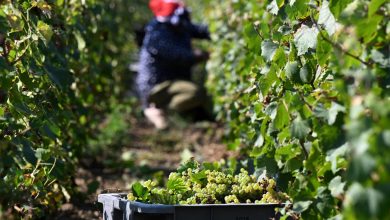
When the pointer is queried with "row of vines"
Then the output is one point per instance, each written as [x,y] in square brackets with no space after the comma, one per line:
[304,87]
[63,65]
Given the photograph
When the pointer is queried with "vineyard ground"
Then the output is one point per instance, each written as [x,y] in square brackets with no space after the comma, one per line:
[149,153]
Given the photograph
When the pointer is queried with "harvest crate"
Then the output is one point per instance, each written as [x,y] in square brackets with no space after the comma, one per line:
[117,207]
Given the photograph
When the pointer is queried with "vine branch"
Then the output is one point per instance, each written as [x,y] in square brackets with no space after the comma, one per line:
[304,149]
[256,27]
[336,45]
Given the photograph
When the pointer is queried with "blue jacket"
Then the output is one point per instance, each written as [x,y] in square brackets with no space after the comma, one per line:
[166,54]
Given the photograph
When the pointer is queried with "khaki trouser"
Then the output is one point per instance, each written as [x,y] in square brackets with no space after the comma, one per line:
[180,96]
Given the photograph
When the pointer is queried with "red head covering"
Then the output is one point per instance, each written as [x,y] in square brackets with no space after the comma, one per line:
[164,8]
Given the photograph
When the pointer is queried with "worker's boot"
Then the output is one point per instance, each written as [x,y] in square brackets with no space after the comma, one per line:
[157,117]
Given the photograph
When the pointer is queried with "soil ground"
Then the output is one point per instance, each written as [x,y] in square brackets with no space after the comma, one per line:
[149,154]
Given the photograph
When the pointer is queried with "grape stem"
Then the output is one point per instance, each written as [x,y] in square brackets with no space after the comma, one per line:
[304,149]
[256,27]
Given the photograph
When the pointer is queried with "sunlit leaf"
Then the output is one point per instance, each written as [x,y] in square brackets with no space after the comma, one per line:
[139,190]
[374,6]
[80,41]
[336,186]
[273,7]
[177,185]
[323,51]
[282,116]
[305,38]
[367,28]
[334,110]
[301,206]
[337,6]
[306,74]
[327,19]
[300,128]
[45,30]
[268,49]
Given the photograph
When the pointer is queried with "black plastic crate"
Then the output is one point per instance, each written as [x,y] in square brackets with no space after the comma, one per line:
[117,207]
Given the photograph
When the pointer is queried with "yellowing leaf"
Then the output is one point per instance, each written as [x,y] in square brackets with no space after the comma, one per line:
[44,6]
[45,30]
[80,41]
[15,22]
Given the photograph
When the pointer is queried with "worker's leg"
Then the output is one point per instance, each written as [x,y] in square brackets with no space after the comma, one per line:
[185,96]
[158,100]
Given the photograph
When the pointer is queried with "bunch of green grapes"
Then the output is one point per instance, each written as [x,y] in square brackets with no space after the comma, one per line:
[197,185]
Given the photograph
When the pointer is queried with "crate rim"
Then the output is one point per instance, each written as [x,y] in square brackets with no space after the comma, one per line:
[119,197]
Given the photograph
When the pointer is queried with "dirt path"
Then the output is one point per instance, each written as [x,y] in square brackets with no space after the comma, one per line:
[148,154]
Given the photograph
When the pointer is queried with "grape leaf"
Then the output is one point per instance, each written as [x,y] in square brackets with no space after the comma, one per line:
[60,76]
[177,185]
[334,155]
[300,128]
[80,41]
[306,74]
[337,6]
[386,137]
[323,51]
[191,163]
[305,38]
[45,30]
[367,28]
[334,110]
[259,141]
[268,49]
[374,6]
[327,19]
[301,206]
[140,191]
[271,110]
[282,116]
[380,58]
[199,177]
[321,112]
[365,201]
[273,7]
[336,186]
[28,152]
[292,71]
[361,167]
[42,154]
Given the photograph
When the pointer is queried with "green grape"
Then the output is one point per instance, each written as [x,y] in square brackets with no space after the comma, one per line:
[216,187]
[131,197]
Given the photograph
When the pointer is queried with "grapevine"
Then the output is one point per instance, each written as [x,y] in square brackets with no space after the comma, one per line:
[59,60]
[304,89]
